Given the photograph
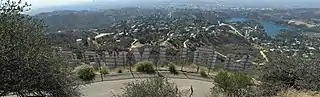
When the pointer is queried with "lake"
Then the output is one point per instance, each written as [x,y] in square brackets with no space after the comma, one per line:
[270,28]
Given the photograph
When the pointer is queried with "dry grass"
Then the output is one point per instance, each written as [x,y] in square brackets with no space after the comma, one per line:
[295,93]
[218,95]
[286,93]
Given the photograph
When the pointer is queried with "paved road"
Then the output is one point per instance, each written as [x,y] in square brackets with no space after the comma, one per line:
[105,89]
[114,83]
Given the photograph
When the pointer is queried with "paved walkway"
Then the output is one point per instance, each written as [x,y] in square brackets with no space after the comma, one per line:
[108,88]
[112,84]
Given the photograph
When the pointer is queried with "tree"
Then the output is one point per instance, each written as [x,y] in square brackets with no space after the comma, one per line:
[29,65]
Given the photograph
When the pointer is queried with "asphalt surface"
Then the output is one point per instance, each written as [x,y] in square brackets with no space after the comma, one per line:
[110,88]
[112,84]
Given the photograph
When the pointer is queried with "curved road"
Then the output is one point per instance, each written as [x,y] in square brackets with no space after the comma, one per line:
[108,88]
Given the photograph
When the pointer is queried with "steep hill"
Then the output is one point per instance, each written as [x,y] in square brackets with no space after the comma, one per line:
[190,28]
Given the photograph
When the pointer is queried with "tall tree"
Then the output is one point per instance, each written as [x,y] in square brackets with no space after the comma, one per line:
[28,64]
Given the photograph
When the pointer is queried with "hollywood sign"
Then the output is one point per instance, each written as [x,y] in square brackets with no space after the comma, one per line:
[202,56]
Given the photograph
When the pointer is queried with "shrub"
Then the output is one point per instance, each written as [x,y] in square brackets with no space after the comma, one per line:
[203,73]
[97,69]
[152,87]
[104,70]
[145,67]
[172,68]
[295,93]
[283,73]
[120,70]
[232,84]
[160,75]
[85,72]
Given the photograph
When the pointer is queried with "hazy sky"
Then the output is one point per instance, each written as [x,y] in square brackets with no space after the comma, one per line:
[47,3]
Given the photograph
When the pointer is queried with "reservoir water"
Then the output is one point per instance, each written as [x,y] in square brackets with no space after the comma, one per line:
[269,27]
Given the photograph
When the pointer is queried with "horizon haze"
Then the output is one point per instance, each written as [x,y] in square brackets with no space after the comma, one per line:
[77,5]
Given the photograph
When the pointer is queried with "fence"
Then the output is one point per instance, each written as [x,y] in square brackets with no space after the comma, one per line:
[201,57]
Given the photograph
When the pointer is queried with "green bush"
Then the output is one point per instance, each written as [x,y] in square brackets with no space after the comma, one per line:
[160,75]
[203,73]
[120,70]
[151,87]
[172,68]
[232,83]
[85,72]
[104,70]
[162,66]
[283,73]
[145,67]
[97,69]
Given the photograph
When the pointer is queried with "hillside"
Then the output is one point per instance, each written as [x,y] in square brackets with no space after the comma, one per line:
[67,20]
[179,28]
[190,28]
